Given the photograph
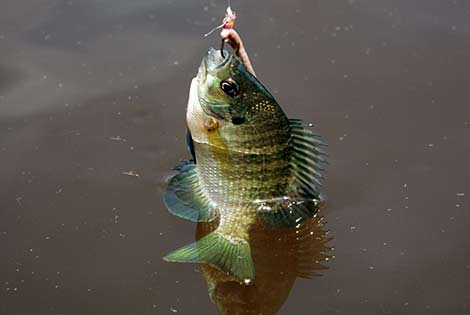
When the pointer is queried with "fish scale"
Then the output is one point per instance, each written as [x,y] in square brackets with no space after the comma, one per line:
[232,178]
[251,165]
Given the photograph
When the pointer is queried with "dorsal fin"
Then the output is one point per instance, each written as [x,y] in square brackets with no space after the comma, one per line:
[307,159]
[302,201]
[184,197]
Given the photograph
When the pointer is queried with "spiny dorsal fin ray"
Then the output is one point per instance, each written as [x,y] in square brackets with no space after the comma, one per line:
[307,157]
[184,197]
[304,150]
[302,202]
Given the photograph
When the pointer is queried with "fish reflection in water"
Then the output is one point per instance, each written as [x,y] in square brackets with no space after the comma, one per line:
[280,257]
[252,185]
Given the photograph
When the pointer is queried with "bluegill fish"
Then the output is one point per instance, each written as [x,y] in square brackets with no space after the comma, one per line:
[280,257]
[251,164]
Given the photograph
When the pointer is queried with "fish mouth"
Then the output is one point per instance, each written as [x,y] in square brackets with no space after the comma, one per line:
[212,61]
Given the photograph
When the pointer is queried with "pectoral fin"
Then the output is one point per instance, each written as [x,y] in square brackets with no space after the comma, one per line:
[230,254]
[184,197]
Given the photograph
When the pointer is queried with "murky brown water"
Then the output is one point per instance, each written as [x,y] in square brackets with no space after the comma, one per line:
[93,93]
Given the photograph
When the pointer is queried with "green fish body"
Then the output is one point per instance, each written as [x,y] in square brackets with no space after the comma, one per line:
[296,252]
[251,164]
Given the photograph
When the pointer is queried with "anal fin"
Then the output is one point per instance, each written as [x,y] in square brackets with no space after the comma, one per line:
[288,212]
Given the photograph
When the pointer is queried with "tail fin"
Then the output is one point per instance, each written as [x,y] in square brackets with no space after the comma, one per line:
[230,254]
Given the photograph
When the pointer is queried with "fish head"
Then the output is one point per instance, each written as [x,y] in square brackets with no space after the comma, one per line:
[227,91]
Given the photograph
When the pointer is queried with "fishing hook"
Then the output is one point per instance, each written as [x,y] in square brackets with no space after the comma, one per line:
[235,46]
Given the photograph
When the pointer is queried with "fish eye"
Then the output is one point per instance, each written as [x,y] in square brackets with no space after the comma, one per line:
[229,87]
[238,120]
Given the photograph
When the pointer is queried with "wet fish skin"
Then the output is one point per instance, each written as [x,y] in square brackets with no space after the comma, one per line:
[253,164]
[280,257]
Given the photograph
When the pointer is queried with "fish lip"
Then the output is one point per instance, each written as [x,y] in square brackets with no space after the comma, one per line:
[214,59]
[211,62]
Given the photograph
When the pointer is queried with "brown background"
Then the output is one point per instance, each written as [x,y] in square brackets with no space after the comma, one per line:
[90,89]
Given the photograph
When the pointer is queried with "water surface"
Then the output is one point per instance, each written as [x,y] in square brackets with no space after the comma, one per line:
[92,102]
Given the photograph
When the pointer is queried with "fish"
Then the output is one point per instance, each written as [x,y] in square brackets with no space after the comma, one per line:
[250,165]
[280,257]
